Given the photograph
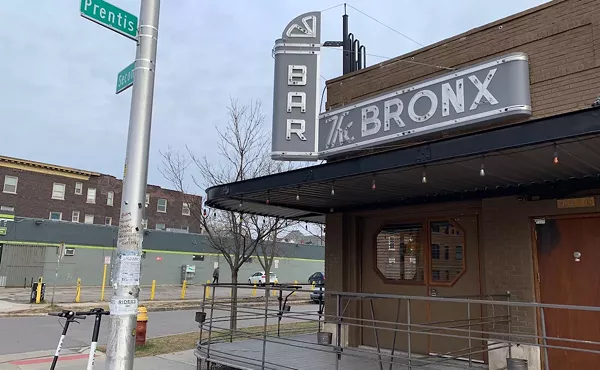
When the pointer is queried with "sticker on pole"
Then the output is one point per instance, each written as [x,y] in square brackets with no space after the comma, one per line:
[129,272]
[107,260]
[123,306]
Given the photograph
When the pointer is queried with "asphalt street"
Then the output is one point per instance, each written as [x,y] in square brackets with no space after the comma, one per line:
[37,333]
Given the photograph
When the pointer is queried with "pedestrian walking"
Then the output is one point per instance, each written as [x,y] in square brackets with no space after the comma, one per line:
[216,276]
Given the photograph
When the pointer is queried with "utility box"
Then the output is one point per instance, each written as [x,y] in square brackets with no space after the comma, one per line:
[188,274]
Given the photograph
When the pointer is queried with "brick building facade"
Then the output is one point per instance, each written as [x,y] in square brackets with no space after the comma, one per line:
[45,191]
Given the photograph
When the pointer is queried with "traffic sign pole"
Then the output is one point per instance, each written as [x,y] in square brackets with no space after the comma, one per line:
[127,264]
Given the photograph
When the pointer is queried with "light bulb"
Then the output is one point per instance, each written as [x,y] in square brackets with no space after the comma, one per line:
[424,178]
[482,171]
[297,196]
[555,160]
[373,186]
[332,191]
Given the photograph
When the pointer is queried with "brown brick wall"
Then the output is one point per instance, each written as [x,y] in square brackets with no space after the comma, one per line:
[562,39]
[34,199]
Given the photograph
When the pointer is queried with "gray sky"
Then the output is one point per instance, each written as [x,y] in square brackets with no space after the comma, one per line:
[58,71]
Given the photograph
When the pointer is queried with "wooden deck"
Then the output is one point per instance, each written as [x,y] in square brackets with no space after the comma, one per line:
[303,353]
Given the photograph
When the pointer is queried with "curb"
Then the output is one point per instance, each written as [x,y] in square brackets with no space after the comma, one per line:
[192,305]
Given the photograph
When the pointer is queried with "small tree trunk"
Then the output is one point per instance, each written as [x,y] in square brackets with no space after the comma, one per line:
[234,300]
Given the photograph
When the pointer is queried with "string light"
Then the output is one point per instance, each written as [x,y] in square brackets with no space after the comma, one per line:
[268,198]
[555,160]
[241,202]
[424,177]
[482,169]
[298,193]
[373,186]
[332,190]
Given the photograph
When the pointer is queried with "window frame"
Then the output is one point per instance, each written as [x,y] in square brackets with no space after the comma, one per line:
[424,253]
[63,191]
[87,196]
[78,185]
[110,196]
[73,216]
[16,185]
[427,246]
[158,205]
[163,229]
[59,216]
[107,218]
[447,250]
[85,217]
[183,207]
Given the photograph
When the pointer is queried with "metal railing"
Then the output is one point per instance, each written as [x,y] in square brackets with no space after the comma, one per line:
[471,326]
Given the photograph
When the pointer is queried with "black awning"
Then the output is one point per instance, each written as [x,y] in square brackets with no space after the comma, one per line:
[515,159]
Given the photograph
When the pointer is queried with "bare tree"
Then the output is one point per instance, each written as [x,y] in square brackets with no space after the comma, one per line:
[243,149]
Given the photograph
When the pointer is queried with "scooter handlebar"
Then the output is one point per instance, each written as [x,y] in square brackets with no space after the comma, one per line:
[67,314]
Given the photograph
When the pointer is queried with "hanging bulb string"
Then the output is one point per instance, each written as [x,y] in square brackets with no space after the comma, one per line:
[555,159]
[482,169]
[373,186]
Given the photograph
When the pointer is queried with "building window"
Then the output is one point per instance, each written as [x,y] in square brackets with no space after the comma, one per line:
[10,184]
[108,221]
[185,209]
[404,262]
[75,216]
[7,208]
[56,216]
[447,245]
[186,229]
[110,198]
[147,199]
[161,206]
[78,188]
[58,191]
[91,195]
[89,219]
[161,227]
[145,223]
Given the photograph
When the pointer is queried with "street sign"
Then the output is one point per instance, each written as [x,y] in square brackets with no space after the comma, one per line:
[111,17]
[296,95]
[3,230]
[107,260]
[125,78]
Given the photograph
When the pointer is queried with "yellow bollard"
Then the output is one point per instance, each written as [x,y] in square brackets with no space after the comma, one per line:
[313,285]
[153,290]
[295,283]
[78,294]
[183,288]
[103,284]
[274,293]
[254,290]
[38,292]
[207,290]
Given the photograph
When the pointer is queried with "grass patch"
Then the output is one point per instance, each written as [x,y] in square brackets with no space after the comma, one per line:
[187,341]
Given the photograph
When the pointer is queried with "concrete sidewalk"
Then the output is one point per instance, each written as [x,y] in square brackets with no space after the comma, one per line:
[76,361]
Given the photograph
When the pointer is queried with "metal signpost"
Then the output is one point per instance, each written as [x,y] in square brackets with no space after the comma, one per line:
[127,264]
[479,94]
[296,94]
[125,78]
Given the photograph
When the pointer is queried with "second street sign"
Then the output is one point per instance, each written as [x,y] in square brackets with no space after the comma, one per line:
[111,17]
[125,78]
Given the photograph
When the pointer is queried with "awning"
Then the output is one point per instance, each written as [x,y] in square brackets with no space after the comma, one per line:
[518,159]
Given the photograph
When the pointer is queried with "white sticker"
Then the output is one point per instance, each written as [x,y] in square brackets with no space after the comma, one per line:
[276,264]
[129,272]
[123,306]
[216,264]
[107,260]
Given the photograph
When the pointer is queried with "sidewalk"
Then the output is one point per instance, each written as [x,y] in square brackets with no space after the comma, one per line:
[76,361]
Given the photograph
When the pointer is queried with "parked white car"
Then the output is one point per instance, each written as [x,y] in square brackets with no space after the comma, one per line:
[259,278]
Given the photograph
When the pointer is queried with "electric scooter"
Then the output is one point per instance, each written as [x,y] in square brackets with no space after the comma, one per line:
[71,316]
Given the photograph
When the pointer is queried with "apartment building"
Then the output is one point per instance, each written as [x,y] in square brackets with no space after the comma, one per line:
[47,191]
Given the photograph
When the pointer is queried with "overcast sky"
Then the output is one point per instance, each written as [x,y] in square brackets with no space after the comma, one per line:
[58,71]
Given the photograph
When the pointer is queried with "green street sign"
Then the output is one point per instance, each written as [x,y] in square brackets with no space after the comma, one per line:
[125,78]
[3,230]
[111,17]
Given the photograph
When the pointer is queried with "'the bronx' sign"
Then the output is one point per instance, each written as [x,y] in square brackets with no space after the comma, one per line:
[490,91]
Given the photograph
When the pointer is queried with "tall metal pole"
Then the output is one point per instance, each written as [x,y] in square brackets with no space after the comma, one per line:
[127,266]
[346,43]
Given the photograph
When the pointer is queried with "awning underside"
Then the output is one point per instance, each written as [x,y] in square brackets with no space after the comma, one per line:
[524,170]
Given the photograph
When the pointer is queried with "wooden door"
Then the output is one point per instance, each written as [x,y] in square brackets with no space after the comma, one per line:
[454,272]
[564,280]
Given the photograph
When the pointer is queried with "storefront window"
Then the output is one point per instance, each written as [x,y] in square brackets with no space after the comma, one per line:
[447,245]
[400,253]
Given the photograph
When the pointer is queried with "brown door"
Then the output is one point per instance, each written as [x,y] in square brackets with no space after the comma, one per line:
[564,280]
[454,272]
